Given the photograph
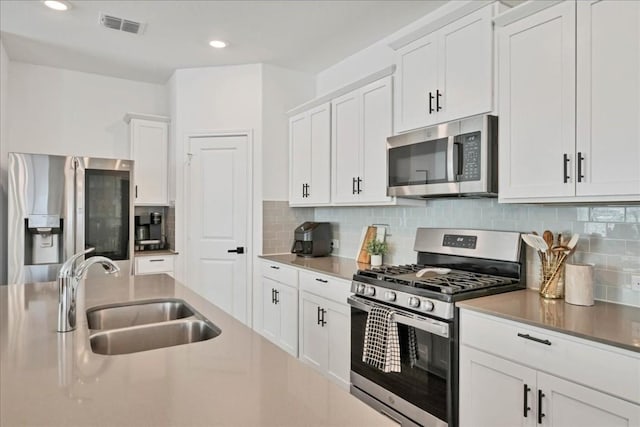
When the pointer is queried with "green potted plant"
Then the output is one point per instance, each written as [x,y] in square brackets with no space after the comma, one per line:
[376,249]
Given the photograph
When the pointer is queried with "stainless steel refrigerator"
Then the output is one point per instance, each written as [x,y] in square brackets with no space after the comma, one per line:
[60,205]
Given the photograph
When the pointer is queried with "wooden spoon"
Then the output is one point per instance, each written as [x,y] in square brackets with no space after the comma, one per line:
[548,238]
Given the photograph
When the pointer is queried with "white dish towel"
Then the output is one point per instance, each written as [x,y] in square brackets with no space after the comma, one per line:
[381,343]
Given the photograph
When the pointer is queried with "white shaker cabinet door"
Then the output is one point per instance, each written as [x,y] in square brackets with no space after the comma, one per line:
[376,118]
[271,316]
[608,93]
[338,323]
[537,104]
[346,143]
[493,391]
[567,404]
[313,337]
[310,157]
[287,299]
[300,157]
[149,150]
[417,83]
[466,64]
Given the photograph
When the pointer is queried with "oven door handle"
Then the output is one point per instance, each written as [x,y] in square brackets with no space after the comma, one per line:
[451,167]
[404,318]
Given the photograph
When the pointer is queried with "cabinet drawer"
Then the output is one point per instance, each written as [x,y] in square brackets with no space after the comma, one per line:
[606,368]
[325,286]
[154,264]
[280,273]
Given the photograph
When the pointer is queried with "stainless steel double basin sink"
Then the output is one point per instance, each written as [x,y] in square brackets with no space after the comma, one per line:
[137,326]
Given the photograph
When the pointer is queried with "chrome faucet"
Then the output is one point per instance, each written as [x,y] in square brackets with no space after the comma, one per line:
[69,278]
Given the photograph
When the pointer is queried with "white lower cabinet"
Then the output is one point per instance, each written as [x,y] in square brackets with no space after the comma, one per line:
[279,304]
[496,391]
[154,264]
[325,326]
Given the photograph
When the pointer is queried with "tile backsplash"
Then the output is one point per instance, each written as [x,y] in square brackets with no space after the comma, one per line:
[278,223]
[609,236]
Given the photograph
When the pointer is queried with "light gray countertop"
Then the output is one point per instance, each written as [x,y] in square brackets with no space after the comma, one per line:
[342,268]
[604,322]
[236,379]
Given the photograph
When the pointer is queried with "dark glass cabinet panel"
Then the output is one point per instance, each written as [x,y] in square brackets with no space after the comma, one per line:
[106,219]
[421,163]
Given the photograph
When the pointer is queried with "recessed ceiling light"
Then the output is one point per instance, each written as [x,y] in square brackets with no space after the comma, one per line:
[57,5]
[218,44]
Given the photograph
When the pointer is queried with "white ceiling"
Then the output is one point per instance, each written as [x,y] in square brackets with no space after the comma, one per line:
[304,35]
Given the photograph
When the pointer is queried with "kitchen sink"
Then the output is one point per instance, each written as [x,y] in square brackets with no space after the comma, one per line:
[152,336]
[113,316]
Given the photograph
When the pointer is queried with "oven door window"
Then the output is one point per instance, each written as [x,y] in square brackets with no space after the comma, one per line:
[425,366]
[418,164]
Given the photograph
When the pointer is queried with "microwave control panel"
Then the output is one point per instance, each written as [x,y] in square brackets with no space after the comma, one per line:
[470,150]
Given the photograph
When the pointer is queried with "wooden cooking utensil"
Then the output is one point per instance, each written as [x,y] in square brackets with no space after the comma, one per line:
[548,238]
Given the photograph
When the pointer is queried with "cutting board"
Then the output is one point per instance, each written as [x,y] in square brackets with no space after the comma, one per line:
[370,234]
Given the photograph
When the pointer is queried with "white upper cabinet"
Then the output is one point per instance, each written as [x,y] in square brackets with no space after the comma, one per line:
[361,123]
[569,104]
[149,150]
[309,157]
[608,93]
[447,74]
[537,103]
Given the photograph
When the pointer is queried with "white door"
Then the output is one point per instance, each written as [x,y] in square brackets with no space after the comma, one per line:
[537,104]
[608,94]
[566,404]
[493,391]
[218,209]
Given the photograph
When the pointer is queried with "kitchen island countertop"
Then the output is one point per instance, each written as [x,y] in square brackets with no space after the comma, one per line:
[236,379]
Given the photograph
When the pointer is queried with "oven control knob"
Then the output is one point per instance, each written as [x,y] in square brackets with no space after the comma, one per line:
[390,296]
[414,302]
[370,291]
[427,305]
[360,289]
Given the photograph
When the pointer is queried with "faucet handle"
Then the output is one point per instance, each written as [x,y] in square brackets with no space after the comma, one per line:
[67,268]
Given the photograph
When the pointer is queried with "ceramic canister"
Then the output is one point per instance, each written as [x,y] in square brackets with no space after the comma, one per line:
[578,284]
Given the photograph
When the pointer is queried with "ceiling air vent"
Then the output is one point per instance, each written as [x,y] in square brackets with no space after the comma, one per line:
[120,24]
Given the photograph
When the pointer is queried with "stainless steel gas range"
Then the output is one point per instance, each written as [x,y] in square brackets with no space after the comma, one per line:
[452,265]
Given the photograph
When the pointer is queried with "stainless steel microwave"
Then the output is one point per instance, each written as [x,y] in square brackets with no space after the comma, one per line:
[453,159]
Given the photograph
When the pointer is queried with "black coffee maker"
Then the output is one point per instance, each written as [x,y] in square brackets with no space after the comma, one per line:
[149,232]
[312,239]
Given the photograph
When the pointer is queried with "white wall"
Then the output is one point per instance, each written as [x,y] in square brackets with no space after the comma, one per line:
[208,100]
[282,89]
[4,91]
[57,111]
[375,57]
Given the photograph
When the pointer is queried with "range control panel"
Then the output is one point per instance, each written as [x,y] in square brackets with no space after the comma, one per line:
[460,241]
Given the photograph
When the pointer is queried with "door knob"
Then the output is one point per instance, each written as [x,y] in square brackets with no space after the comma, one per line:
[238,250]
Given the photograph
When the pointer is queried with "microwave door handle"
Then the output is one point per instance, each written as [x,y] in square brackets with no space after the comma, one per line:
[460,155]
[450,166]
